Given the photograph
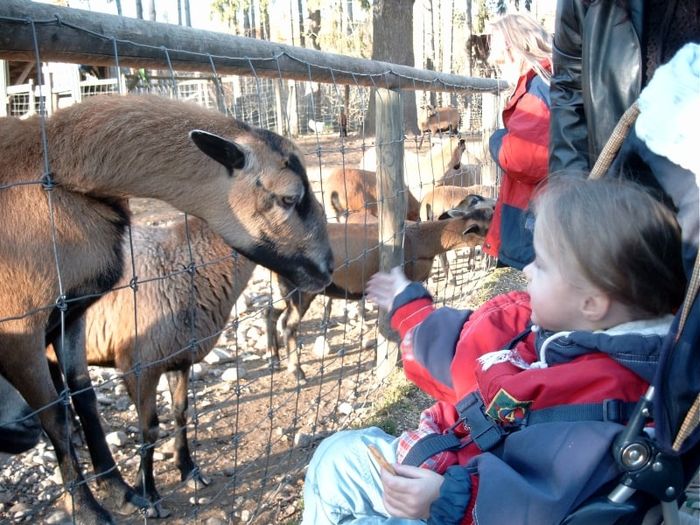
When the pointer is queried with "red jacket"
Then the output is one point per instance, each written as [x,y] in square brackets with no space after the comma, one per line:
[440,348]
[521,151]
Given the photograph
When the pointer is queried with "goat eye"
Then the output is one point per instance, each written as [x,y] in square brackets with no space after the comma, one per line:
[288,201]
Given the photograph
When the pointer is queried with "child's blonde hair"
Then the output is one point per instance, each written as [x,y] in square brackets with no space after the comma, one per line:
[529,38]
[618,237]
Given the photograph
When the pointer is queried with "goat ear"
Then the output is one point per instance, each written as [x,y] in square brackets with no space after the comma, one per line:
[453,213]
[223,151]
[472,228]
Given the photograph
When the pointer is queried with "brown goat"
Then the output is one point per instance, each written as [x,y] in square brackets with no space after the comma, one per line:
[173,308]
[60,249]
[357,258]
[352,190]
[435,120]
[441,199]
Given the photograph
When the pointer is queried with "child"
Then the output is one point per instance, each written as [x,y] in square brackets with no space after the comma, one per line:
[544,379]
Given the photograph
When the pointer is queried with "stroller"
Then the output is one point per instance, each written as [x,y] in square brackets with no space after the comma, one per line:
[656,466]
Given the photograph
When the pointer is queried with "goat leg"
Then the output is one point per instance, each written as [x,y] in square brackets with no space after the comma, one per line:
[179,381]
[273,317]
[24,365]
[73,361]
[142,390]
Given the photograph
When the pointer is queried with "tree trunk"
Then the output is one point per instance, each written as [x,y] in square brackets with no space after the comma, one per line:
[119,7]
[302,37]
[152,10]
[430,63]
[139,9]
[188,20]
[392,41]
[253,23]
[246,21]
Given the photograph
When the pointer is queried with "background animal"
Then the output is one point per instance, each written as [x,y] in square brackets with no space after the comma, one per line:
[434,120]
[355,248]
[152,329]
[352,191]
[437,202]
[60,249]
[442,164]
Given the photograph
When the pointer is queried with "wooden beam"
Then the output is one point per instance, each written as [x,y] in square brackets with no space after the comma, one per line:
[83,37]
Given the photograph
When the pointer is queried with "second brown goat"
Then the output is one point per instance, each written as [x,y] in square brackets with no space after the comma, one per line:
[356,252]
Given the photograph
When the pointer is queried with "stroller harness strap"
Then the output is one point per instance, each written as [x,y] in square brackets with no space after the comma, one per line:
[488,433]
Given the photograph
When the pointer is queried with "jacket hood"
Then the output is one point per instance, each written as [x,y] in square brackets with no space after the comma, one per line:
[635,345]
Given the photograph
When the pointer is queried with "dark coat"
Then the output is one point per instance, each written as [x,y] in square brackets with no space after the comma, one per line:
[597,62]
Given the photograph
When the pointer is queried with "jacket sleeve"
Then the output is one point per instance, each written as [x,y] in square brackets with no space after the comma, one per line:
[455,499]
[568,146]
[521,149]
[429,338]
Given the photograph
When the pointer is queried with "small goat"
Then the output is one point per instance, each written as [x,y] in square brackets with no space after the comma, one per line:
[435,120]
[356,246]
[172,309]
[248,184]
[352,191]
[436,204]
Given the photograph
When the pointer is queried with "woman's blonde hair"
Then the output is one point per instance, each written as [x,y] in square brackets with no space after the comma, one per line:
[523,34]
[618,237]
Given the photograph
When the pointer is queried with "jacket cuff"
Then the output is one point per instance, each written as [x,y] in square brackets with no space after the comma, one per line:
[412,292]
[455,493]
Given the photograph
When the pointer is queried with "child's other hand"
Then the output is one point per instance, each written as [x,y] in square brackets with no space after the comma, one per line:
[410,493]
[382,287]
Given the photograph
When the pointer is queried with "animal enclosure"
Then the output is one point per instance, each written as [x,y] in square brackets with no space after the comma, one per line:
[251,426]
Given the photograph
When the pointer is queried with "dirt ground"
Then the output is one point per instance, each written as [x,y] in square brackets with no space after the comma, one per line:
[255,426]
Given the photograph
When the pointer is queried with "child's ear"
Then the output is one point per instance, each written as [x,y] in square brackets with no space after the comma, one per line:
[595,306]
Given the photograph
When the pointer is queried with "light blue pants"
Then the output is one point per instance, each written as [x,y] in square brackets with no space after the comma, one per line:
[343,484]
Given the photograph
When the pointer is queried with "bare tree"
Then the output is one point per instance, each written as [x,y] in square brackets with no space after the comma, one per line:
[188,20]
[302,39]
[152,10]
[139,9]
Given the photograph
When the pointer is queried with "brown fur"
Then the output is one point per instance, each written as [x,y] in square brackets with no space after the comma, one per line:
[99,151]
[167,301]
[352,191]
[443,198]
[439,119]
[355,249]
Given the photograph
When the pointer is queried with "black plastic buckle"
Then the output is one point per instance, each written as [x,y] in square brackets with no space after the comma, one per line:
[613,411]
[485,432]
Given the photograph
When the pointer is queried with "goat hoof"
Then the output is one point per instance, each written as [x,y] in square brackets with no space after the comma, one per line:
[156,511]
[274,363]
[132,502]
[298,374]
[198,481]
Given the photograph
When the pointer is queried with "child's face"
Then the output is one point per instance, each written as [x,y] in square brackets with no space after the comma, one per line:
[556,301]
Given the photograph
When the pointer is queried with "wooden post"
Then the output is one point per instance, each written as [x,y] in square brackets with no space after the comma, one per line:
[279,113]
[4,82]
[392,208]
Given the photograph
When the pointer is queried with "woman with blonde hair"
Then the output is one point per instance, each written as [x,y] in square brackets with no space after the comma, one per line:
[521,52]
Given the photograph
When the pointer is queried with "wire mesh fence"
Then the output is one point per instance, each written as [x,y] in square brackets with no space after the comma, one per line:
[248,424]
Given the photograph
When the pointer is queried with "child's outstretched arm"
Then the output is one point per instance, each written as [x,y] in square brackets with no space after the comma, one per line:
[383,287]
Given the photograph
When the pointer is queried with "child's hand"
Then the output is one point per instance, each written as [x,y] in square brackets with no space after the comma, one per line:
[382,287]
[410,493]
